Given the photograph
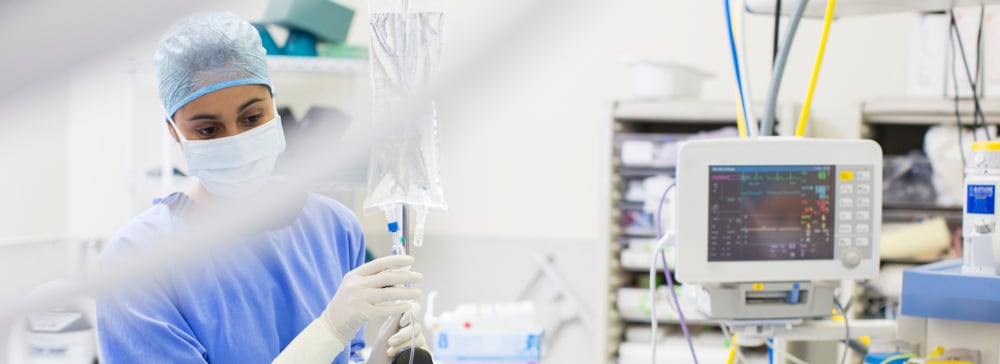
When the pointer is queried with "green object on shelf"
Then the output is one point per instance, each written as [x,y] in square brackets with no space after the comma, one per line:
[327,20]
[343,51]
[642,281]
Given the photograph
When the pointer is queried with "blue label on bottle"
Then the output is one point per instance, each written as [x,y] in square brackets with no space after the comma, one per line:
[533,343]
[980,199]
[442,341]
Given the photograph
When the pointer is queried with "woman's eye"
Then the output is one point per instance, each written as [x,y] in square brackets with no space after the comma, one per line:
[253,119]
[207,132]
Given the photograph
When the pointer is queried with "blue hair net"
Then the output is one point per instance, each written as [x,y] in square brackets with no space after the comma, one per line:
[206,52]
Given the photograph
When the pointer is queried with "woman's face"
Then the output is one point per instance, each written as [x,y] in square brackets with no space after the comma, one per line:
[225,112]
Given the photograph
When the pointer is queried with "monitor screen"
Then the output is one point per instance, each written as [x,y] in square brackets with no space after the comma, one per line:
[759,213]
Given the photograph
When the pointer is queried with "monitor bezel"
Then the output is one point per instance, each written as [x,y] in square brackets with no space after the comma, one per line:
[691,207]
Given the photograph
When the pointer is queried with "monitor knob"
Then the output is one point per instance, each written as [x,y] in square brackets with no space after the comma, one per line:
[851,258]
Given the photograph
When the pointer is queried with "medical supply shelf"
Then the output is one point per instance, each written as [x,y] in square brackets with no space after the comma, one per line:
[899,126]
[317,64]
[891,214]
[644,171]
[661,122]
[682,111]
[935,111]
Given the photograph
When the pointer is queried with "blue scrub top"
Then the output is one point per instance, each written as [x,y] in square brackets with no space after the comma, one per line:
[242,305]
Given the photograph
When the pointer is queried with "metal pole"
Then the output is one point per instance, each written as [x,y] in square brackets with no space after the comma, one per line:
[404,224]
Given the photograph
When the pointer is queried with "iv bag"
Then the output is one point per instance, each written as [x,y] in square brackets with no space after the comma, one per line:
[406,47]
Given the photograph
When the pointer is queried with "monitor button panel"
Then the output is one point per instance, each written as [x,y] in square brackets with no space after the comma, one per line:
[854,211]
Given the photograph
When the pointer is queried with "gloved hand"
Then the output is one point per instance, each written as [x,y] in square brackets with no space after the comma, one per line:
[396,335]
[405,337]
[370,292]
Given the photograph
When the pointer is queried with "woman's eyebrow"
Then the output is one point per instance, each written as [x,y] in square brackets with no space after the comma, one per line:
[248,103]
[204,117]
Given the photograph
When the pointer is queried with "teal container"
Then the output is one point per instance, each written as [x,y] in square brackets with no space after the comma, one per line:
[300,43]
[325,19]
[267,41]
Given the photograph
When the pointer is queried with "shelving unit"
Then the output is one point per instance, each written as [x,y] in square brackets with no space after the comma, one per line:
[899,126]
[925,112]
[656,121]
[317,64]
[305,72]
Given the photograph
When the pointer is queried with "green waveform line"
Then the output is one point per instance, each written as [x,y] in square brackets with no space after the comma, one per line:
[777,176]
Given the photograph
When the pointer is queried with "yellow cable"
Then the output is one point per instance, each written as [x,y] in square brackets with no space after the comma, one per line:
[732,351]
[804,117]
[936,352]
[740,125]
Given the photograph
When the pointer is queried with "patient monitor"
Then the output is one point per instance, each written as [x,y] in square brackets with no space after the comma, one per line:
[762,223]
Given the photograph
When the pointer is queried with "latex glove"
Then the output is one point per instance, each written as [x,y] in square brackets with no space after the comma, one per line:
[396,335]
[368,292]
[405,337]
[380,349]
[371,292]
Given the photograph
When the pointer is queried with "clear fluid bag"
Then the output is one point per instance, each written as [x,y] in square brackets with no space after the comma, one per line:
[405,51]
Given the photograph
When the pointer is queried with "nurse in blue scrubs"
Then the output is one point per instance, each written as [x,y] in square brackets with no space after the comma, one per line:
[297,292]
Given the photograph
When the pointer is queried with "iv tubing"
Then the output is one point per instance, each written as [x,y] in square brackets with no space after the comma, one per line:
[767,128]
[670,281]
[739,22]
[736,67]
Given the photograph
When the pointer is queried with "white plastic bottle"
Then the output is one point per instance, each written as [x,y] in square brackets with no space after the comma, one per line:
[981,241]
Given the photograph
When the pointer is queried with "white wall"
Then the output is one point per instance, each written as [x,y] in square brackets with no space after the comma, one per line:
[33,195]
[524,150]
[521,152]
[33,165]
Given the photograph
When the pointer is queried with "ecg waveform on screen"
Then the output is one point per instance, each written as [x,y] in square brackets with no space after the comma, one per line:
[777,214]
[777,176]
[770,193]
[765,229]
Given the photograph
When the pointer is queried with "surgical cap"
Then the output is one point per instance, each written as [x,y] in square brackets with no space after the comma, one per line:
[207,52]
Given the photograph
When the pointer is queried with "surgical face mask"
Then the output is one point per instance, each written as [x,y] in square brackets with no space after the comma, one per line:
[236,165]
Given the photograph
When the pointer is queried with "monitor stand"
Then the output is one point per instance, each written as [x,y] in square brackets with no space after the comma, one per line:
[755,301]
